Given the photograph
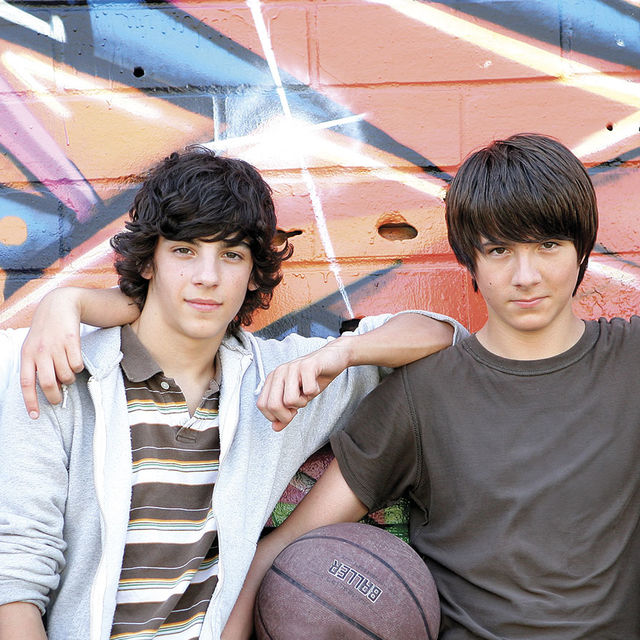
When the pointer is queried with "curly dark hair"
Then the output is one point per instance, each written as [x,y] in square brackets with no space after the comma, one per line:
[199,195]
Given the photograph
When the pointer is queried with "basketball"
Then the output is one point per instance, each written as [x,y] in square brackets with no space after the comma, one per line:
[350,581]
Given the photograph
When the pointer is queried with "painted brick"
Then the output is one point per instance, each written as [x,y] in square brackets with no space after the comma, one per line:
[387,47]
[494,111]
[384,107]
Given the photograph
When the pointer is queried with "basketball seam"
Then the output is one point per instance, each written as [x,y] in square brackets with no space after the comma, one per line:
[385,563]
[324,602]
[264,626]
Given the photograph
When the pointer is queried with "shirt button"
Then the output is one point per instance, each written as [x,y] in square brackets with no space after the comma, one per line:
[165,385]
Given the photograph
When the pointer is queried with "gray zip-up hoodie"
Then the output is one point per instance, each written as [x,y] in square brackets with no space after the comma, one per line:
[65,479]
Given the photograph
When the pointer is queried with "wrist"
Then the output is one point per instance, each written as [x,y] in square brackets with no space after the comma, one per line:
[347,346]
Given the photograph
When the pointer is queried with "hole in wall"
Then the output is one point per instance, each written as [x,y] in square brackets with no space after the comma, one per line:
[349,325]
[609,126]
[397,231]
[281,235]
[138,72]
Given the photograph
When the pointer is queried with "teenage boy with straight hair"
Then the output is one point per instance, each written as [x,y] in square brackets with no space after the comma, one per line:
[518,447]
[109,521]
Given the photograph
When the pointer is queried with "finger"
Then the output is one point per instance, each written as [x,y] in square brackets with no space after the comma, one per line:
[279,413]
[310,384]
[61,368]
[279,425]
[292,396]
[263,400]
[48,381]
[74,356]
[28,385]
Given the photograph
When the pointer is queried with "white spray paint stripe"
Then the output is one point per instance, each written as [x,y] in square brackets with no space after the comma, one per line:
[340,155]
[265,41]
[48,284]
[568,72]
[614,273]
[98,91]
[601,140]
[54,29]
[16,65]
[239,141]
[424,184]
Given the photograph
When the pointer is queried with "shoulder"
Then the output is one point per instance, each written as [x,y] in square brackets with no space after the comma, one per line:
[445,374]
[101,350]
[617,332]
[441,362]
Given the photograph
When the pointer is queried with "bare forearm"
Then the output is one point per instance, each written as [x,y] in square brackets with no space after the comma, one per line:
[401,340]
[330,501]
[21,621]
[105,307]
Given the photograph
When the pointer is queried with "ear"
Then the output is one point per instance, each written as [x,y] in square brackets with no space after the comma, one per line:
[147,271]
[252,286]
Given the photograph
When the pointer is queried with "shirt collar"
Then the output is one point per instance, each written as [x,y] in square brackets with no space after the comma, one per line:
[137,363]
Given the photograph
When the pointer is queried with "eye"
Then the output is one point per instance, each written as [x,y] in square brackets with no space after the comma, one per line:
[549,244]
[497,251]
[233,255]
[183,251]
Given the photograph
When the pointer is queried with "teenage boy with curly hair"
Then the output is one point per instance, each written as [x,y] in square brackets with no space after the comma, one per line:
[134,507]
[518,447]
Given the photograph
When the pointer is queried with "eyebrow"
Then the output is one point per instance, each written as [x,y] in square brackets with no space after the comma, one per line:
[227,242]
[493,243]
[236,243]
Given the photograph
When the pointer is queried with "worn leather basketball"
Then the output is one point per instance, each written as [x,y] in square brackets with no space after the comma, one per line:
[347,581]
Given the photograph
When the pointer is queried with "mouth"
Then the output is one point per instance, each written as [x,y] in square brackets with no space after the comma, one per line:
[528,303]
[202,304]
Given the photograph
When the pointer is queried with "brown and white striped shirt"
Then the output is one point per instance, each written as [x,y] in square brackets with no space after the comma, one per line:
[169,569]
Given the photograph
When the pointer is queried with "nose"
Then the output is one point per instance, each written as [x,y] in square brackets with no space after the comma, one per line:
[526,272]
[206,271]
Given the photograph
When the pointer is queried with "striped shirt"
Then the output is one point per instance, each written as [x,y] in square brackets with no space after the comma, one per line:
[170,564]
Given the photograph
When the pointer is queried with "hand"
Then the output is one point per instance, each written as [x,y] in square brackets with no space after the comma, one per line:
[292,385]
[51,350]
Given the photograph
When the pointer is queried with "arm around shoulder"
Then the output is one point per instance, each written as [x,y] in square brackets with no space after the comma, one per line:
[403,338]
[382,341]
[51,352]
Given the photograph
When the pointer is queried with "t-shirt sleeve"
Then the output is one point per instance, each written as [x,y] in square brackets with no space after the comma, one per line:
[378,450]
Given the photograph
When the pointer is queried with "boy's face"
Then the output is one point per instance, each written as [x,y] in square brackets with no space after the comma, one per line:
[196,288]
[527,286]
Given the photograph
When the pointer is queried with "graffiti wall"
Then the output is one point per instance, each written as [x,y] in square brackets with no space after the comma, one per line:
[357,112]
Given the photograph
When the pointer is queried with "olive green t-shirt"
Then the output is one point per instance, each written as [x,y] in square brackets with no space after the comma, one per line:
[524,478]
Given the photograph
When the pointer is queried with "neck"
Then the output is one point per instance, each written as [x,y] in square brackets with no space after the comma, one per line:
[180,357]
[530,345]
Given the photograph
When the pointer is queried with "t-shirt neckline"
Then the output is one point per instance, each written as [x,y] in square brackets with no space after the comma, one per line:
[534,367]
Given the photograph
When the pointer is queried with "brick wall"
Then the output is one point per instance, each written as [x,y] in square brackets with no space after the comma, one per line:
[357,112]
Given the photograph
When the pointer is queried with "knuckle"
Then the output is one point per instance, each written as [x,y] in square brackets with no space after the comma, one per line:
[67,378]
[47,384]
